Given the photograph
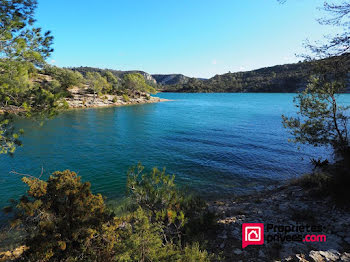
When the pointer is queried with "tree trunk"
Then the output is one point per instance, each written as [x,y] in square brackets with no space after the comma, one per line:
[334,116]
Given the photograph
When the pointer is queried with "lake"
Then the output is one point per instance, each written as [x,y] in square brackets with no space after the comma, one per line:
[216,144]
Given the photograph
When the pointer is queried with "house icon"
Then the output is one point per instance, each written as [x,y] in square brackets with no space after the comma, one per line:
[253,234]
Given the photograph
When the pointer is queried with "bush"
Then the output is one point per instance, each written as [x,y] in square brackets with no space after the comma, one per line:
[126,98]
[138,239]
[315,180]
[64,221]
[333,181]
[180,213]
[61,218]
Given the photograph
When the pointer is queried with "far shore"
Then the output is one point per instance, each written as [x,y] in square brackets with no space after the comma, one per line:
[81,99]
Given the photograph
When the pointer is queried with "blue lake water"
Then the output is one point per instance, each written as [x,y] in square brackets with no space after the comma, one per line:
[215,144]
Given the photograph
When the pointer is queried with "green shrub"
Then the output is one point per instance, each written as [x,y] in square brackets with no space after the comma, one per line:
[126,98]
[157,193]
[333,182]
[61,217]
[136,238]
[315,180]
[140,240]
[64,221]
[192,253]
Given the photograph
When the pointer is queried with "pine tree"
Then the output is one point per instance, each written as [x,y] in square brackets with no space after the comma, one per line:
[23,47]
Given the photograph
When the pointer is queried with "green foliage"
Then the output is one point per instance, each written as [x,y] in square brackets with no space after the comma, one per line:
[333,181]
[192,253]
[113,83]
[130,82]
[141,241]
[97,83]
[64,221]
[317,180]
[126,98]
[9,139]
[61,217]
[20,40]
[19,95]
[22,48]
[66,77]
[178,212]
[321,121]
[136,82]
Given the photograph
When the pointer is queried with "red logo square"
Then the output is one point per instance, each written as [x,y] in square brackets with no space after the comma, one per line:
[252,234]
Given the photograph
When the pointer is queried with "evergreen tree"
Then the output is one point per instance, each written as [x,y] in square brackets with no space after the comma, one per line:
[135,82]
[22,47]
[62,218]
[321,120]
[113,82]
[97,83]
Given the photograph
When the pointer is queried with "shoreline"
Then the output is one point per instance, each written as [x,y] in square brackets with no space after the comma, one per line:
[81,99]
[118,104]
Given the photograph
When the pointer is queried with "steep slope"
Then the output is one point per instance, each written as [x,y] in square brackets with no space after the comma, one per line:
[171,79]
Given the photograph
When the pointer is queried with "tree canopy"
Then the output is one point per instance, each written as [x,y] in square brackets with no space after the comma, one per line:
[322,120]
[22,47]
[136,82]
[19,39]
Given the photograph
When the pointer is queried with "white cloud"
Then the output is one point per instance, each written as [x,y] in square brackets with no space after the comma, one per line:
[52,61]
[214,62]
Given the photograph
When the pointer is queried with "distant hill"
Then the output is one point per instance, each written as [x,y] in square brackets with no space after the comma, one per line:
[279,78]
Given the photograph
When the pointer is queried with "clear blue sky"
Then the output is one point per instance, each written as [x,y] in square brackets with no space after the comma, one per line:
[198,38]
